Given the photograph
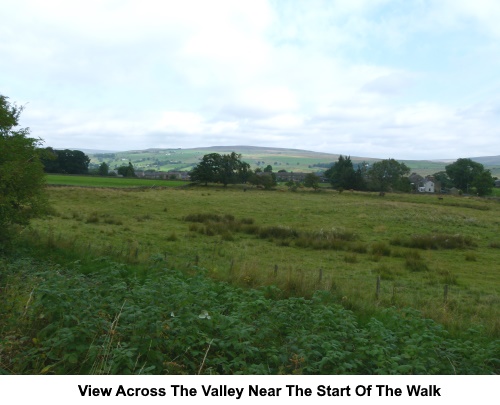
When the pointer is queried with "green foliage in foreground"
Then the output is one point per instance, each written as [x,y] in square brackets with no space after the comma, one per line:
[105,318]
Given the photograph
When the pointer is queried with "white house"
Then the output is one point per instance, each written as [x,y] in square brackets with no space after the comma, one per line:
[428,187]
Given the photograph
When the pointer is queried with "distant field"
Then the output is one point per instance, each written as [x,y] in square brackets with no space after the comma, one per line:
[278,158]
[438,256]
[115,182]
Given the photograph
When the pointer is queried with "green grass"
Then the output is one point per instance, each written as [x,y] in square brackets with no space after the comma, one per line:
[115,182]
[101,317]
[301,242]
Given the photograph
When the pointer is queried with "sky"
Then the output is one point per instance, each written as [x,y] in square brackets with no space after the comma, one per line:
[403,79]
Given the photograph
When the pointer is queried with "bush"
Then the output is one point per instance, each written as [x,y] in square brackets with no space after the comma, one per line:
[116,320]
[22,179]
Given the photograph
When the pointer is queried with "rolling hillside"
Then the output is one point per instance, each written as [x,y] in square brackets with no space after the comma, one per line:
[278,158]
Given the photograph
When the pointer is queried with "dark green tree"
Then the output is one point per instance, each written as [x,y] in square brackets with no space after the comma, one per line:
[483,183]
[225,169]
[22,180]
[266,180]
[388,174]
[311,180]
[127,171]
[466,174]
[443,178]
[103,169]
[65,161]
[342,175]
[207,170]
[229,168]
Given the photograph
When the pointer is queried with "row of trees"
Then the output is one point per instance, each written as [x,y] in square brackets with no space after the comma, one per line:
[65,161]
[388,174]
[225,169]
[76,162]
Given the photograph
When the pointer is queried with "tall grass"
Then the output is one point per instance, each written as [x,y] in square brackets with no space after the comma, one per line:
[240,237]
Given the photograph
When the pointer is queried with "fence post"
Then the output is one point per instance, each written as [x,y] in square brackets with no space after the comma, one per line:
[275,270]
[445,293]
[320,275]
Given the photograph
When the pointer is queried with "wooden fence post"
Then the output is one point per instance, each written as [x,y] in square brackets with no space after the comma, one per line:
[275,270]
[445,293]
[320,275]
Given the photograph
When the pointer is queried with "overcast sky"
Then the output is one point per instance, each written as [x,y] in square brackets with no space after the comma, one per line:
[407,79]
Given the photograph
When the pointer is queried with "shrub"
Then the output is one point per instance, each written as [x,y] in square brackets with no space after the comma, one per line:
[440,241]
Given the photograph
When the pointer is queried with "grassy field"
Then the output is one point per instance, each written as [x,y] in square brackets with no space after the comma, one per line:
[114,182]
[439,256]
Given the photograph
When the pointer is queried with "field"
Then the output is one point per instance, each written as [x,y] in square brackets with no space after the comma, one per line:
[213,280]
[439,256]
[278,158]
[109,182]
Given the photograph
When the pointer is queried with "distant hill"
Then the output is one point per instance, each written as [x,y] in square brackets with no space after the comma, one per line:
[257,156]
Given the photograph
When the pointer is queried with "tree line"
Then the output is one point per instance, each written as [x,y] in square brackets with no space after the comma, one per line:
[66,161]
[385,175]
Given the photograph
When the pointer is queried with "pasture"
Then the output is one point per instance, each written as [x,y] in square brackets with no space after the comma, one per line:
[439,256]
[108,182]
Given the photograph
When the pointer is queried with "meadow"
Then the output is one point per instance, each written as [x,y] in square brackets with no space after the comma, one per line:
[111,182]
[417,246]
[213,280]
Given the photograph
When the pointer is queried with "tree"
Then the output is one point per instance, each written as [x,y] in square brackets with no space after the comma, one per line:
[127,171]
[267,180]
[311,180]
[443,178]
[483,183]
[342,175]
[229,168]
[225,169]
[206,170]
[388,174]
[22,180]
[103,169]
[65,161]
[465,174]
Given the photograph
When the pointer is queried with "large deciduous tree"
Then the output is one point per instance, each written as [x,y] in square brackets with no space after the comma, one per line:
[311,180]
[467,174]
[207,170]
[65,161]
[225,169]
[389,174]
[22,183]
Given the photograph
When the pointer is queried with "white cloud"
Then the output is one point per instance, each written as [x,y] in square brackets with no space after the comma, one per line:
[359,77]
